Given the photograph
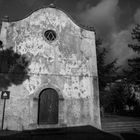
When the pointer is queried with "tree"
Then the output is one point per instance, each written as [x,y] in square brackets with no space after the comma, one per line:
[107,73]
[133,74]
[117,98]
[13,67]
[121,96]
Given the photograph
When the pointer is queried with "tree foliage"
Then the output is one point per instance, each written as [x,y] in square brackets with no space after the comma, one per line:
[119,97]
[106,72]
[133,74]
[13,68]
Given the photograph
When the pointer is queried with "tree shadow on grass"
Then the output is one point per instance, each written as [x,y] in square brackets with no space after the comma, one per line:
[13,68]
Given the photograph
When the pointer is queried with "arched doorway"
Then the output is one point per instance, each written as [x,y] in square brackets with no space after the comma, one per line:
[48,107]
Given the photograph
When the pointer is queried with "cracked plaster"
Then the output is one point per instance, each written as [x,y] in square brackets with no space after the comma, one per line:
[69,55]
[69,62]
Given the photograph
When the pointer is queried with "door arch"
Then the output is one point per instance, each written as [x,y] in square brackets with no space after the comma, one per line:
[48,107]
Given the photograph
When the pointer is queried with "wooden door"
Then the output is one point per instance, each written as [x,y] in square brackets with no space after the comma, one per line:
[48,107]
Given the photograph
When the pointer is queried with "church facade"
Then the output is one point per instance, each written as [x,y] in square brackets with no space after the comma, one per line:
[62,88]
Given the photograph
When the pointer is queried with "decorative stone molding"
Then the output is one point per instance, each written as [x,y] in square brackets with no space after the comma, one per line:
[45,86]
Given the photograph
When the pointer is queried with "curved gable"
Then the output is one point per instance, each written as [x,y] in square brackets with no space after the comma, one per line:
[6,18]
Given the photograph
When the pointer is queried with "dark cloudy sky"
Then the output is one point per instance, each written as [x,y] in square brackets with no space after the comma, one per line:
[113,19]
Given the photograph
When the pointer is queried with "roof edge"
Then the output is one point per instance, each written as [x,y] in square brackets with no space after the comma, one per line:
[86,27]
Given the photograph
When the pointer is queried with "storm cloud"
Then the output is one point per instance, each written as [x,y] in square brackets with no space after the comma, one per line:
[137,16]
[119,46]
[104,17]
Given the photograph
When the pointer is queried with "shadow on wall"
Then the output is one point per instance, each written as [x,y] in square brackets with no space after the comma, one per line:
[13,68]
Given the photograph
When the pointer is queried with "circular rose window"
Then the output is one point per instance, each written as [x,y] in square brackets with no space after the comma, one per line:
[50,35]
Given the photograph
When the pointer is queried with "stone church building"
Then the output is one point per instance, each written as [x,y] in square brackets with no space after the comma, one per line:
[62,88]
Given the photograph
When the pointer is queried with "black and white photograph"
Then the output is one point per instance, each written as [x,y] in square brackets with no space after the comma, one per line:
[70,69]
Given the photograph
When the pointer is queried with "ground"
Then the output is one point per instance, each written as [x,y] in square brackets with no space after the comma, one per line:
[125,129]
[71,133]
[120,123]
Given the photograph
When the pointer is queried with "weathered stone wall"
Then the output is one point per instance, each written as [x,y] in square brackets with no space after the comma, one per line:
[68,64]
